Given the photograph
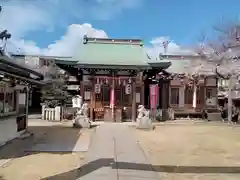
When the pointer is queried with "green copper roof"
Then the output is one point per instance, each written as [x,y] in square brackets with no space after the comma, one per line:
[111,54]
[177,66]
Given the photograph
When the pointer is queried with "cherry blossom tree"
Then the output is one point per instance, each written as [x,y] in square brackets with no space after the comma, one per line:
[188,67]
[222,55]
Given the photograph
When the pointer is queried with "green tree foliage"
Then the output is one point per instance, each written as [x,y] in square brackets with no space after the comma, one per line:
[54,92]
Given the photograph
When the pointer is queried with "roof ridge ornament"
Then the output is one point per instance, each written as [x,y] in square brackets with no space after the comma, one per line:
[113,41]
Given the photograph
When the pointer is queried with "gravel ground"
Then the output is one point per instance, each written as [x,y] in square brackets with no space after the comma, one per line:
[38,165]
[193,152]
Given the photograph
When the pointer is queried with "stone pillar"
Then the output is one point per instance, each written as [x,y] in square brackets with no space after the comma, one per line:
[58,113]
[134,100]
[43,111]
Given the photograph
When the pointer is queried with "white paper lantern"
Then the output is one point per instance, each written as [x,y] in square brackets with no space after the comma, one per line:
[128,89]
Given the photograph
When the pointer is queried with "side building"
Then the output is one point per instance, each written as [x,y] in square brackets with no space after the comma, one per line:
[187,95]
[16,81]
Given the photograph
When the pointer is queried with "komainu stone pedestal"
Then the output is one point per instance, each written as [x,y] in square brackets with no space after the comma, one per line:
[82,120]
[145,124]
[143,120]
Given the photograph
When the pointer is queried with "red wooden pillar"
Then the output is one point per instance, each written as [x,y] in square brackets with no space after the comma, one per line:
[113,99]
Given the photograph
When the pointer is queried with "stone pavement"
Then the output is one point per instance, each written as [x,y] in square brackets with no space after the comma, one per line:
[114,154]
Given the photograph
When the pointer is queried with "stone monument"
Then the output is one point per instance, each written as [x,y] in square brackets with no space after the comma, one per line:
[143,119]
[82,120]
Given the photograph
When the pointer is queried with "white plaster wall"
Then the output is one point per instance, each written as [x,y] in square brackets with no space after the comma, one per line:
[8,129]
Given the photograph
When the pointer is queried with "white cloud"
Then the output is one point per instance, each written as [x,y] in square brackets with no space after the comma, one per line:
[65,46]
[71,40]
[23,16]
[20,17]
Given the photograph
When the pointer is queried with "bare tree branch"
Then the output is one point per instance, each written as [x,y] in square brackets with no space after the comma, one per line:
[224,51]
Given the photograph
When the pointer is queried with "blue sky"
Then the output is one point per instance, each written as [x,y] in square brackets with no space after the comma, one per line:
[182,21]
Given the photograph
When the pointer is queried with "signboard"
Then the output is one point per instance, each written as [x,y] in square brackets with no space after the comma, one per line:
[97,88]
[211,82]
[72,78]
[73,87]
[154,89]
[77,101]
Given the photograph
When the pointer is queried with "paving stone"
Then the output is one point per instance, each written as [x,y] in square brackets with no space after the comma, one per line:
[115,154]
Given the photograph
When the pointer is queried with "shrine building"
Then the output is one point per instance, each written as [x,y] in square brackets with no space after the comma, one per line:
[114,76]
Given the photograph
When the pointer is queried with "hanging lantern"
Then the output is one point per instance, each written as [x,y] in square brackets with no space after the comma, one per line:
[119,81]
[106,81]
[128,89]
[97,88]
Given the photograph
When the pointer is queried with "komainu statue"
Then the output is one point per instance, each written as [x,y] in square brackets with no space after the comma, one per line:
[143,119]
[82,120]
